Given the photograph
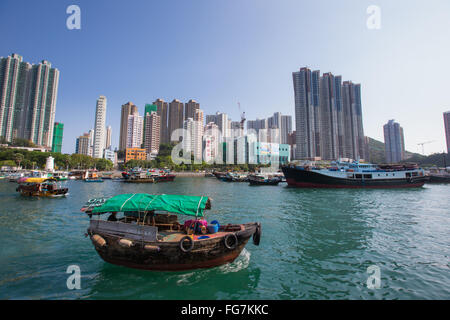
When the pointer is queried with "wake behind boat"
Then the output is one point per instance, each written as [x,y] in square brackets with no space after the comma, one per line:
[355,175]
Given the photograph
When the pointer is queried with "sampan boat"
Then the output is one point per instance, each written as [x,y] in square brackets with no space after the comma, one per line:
[41,187]
[145,238]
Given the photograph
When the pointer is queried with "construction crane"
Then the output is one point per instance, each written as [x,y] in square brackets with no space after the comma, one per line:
[242,116]
[423,143]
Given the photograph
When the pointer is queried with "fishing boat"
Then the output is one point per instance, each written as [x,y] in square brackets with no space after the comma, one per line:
[355,175]
[148,235]
[41,187]
[260,180]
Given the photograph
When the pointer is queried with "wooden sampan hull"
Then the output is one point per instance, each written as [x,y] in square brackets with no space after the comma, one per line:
[167,256]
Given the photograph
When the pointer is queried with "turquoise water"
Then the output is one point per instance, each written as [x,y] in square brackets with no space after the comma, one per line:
[316,244]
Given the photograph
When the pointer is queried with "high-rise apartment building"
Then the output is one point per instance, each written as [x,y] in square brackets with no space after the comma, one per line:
[28,96]
[82,145]
[211,140]
[304,114]
[328,117]
[99,128]
[447,129]
[57,137]
[127,109]
[394,142]
[108,137]
[149,108]
[162,110]
[135,131]
[222,121]
[175,117]
[286,128]
[152,132]
[189,109]
[91,142]
[193,138]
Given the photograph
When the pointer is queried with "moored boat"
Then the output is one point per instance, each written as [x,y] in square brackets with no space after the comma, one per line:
[355,175]
[92,177]
[164,177]
[146,238]
[439,175]
[259,180]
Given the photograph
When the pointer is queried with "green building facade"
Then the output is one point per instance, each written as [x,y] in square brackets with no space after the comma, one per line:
[57,137]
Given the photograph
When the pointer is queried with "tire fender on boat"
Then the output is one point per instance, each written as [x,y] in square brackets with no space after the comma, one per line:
[125,243]
[191,244]
[98,240]
[257,235]
[234,241]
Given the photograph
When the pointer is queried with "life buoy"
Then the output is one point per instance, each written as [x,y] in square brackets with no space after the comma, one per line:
[191,244]
[234,241]
[257,235]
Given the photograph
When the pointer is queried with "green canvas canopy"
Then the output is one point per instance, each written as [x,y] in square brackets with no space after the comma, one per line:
[187,205]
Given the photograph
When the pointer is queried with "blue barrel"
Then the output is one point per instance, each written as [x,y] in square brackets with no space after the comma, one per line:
[213,227]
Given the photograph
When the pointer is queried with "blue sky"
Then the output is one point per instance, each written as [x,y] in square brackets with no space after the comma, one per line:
[223,52]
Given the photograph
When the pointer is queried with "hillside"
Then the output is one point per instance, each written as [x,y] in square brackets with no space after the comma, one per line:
[376,154]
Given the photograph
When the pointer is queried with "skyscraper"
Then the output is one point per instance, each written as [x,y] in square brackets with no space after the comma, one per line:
[152,132]
[175,117]
[162,110]
[14,82]
[286,128]
[135,131]
[339,116]
[447,129]
[315,91]
[127,109]
[108,137]
[189,109]
[27,100]
[57,137]
[304,114]
[328,116]
[91,142]
[394,142]
[100,129]
[149,108]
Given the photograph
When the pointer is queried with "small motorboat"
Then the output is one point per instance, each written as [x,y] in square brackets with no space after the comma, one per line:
[148,235]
